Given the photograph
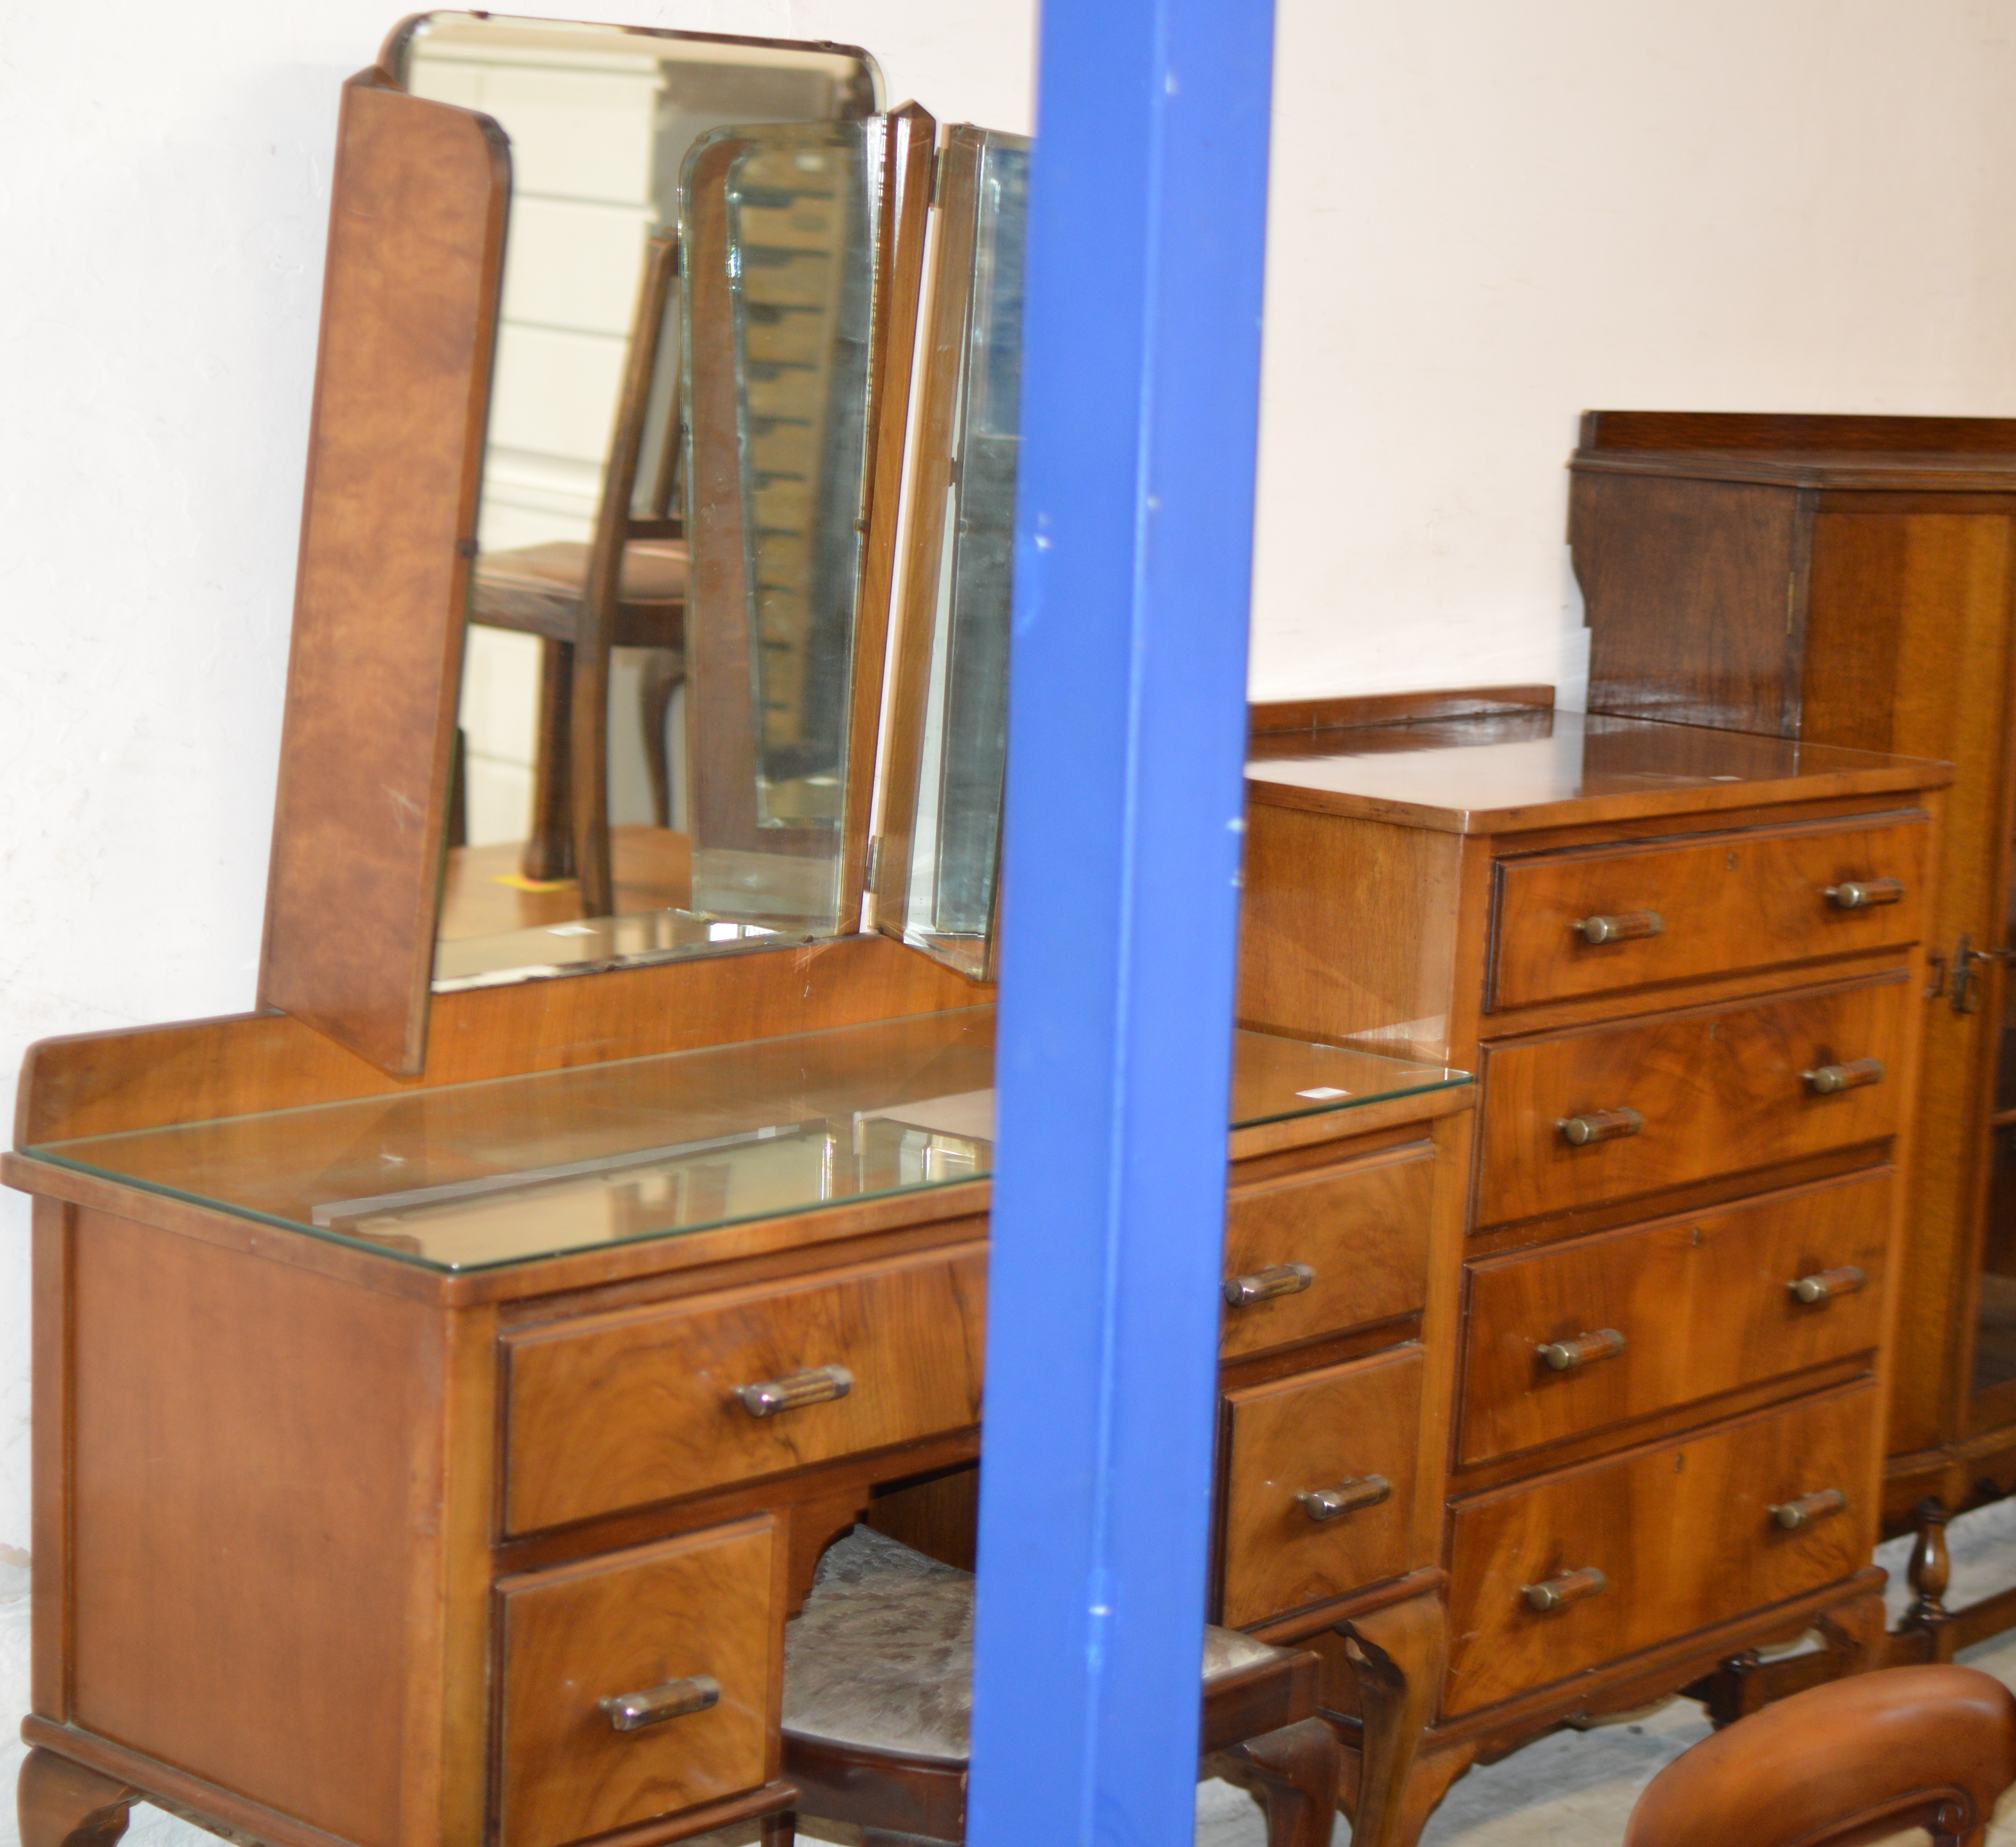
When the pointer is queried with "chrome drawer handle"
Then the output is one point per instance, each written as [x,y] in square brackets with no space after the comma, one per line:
[1621,928]
[1825,1285]
[1601,1125]
[632,1711]
[1564,1356]
[1346,1497]
[1856,895]
[1279,1279]
[815,1386]
[1827,1079]
[1571,1587]
[1794,1514]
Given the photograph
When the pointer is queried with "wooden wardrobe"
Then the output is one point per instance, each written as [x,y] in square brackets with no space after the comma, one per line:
[1848,581]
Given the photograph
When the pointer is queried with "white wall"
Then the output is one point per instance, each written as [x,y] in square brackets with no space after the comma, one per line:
[1486,217]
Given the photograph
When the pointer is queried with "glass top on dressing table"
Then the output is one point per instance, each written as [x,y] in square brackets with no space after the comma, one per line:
[471,1176]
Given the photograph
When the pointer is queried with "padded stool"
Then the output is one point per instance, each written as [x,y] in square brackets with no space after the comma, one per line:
[878,1704]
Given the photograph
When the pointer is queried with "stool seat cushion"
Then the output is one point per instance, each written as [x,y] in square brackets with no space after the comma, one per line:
[881,1658]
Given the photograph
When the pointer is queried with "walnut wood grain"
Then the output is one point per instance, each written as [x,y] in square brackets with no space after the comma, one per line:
[1682,1531]
[195,1071]
[1701,1301]
[1910,647]
[1347,930]
[1363,1229]
[1312,1432]
[1393,1660]
[620,1409]
[1719,1089]
[271,1569]
[402,381]
[1753,898]
[704,1603]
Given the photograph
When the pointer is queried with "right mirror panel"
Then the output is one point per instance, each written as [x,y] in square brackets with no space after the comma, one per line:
[937,862]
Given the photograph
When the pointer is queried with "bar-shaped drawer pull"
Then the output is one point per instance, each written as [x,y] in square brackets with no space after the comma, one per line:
[1346,1497]
[1794,1514]
[1621,928]
[1858,894]
[815,1386]
[1601,1125]
[1571,1587]
[1825,1285]
[1564,1356]
[1826,1080]
[632,1711]
[1278,1279]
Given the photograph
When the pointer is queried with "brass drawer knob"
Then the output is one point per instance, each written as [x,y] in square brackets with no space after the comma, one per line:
[1621,928]
[1601,1125]
[1825,1285]
[632,1711]
[1571,1587]
[815,1386]
[1564,1356]
[1826,1080]
[1794,1514]
[1279,1279]
[1856,895]
[1346,1497]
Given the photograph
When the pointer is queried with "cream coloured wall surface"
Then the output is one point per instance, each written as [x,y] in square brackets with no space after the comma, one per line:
[1486,218]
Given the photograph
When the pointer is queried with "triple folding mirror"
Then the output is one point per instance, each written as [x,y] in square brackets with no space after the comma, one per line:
[691,523]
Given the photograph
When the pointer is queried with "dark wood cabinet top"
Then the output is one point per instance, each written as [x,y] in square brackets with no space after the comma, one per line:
[1942,454]
[1517,772]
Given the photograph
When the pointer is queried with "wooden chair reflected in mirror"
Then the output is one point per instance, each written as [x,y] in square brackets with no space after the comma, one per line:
[626,587]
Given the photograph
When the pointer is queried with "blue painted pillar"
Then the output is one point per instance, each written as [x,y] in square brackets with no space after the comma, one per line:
[1126,736]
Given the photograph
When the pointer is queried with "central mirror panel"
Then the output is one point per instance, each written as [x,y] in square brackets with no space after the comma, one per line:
[583,754]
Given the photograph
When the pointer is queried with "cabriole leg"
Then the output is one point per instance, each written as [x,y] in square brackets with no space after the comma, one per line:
[63,1804]
[1397,1655]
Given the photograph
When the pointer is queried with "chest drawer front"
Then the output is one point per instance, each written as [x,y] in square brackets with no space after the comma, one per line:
[1683,1535]
[1361,1232]
[1716,1090]
[664,1620]
[1348,1430]
[1755,898]
[1704,1304]
[644,1404]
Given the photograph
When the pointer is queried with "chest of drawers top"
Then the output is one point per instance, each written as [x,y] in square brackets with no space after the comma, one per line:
[1524,772]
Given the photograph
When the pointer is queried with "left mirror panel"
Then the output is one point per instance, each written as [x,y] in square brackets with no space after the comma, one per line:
[488,773]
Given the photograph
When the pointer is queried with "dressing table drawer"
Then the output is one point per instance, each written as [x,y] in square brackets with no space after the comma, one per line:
[1606,1113]
[1309,1256]
[1351,1431]
[687,1633]
[1697,1306]
[649,1404]
[1596,920]
[1656,1544]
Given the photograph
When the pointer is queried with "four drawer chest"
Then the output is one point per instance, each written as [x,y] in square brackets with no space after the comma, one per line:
[1686,968]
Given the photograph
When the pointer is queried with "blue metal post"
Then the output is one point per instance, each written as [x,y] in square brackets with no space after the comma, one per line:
[1126,734]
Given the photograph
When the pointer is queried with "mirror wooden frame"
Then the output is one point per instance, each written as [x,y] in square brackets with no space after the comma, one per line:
[420,197]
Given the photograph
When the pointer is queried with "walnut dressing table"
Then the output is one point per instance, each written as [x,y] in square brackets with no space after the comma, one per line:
[388,1431]
[1687,967]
